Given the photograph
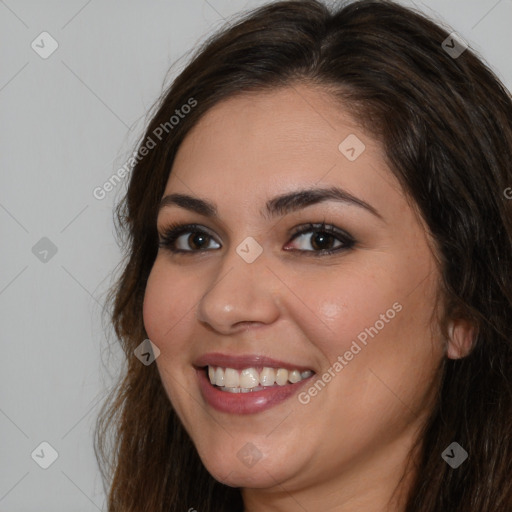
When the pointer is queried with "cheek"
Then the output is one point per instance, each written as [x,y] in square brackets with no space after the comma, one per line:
[166,309]
[165,304]
[153,308]
[374,321]
[347,306]
[382,332]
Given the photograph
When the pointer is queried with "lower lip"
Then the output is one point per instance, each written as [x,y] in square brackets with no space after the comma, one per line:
[245,403]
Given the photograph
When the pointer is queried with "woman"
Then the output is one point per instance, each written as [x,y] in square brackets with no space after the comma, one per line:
[319,249]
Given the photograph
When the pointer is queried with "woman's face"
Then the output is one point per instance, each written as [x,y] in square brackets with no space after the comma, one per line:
[248,287]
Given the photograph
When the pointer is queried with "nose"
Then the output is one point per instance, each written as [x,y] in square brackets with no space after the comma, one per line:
[240,294]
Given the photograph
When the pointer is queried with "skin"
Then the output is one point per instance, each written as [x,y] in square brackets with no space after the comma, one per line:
[346,449]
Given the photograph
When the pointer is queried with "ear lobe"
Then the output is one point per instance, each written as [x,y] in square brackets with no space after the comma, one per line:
[460,338]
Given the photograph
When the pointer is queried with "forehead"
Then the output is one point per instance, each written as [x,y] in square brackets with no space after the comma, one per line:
[280,140]
[291,122]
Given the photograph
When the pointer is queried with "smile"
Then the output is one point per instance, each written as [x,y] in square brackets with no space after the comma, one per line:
[249,380]
[248,384]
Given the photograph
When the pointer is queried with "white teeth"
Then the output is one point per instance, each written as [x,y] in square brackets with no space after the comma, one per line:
[294,376]
[268,377]
[249,379]
[231,378]
[231,390]
[281,376]
[219,377]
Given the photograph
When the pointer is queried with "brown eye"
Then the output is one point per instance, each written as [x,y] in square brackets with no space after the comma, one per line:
[322,239]
[196,240]
[186,238]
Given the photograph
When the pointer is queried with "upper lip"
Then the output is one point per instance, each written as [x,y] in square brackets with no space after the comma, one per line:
[245,361]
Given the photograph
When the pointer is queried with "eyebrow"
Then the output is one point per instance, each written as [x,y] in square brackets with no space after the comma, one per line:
[279,205]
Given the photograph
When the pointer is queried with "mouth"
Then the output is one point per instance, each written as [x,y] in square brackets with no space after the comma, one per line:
[248,384]
[249,380]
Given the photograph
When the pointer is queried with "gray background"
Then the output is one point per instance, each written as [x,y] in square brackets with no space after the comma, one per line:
[68,123]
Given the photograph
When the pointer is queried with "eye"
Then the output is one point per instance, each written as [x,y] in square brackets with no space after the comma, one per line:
[182,238]
[192,238]
[323,239]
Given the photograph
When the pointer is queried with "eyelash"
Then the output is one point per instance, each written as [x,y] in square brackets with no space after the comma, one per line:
[175,230]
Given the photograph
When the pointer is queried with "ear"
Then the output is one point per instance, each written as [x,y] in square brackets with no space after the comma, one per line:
[460,338]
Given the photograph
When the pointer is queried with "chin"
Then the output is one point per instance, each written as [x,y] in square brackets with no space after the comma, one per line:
[249,467]
[257,477]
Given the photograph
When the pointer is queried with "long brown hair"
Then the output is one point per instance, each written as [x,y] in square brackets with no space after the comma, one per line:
[445,122]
